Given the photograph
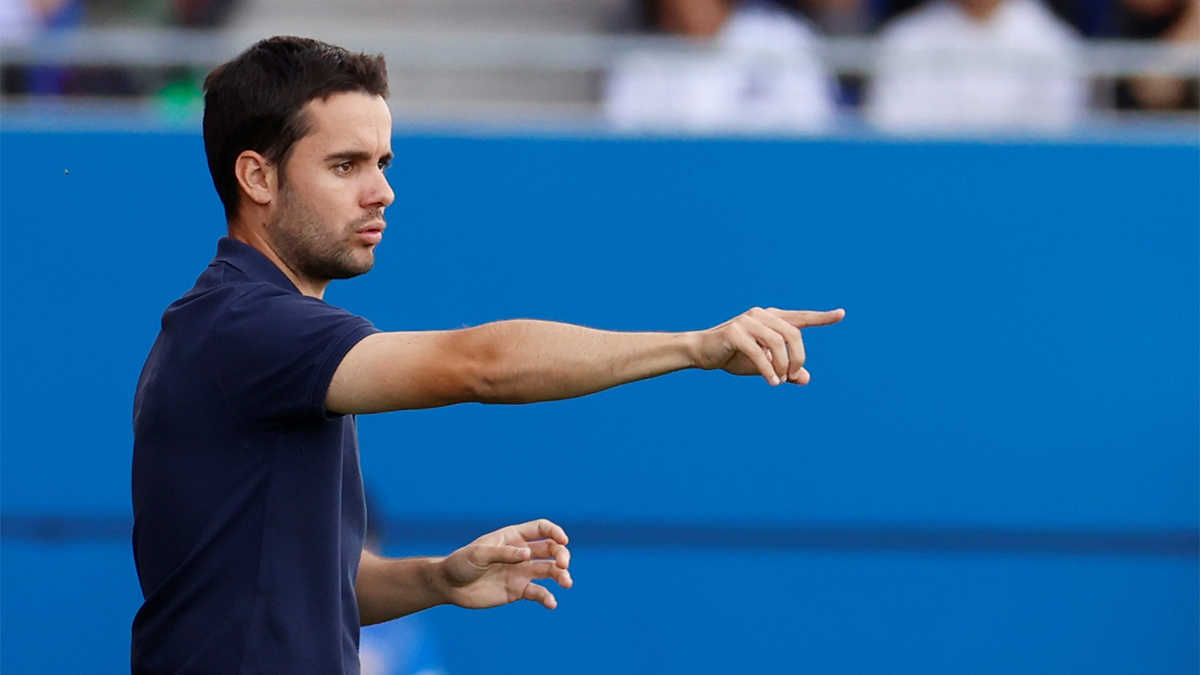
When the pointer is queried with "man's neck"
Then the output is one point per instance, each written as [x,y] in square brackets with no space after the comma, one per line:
[980,11]
[314,288]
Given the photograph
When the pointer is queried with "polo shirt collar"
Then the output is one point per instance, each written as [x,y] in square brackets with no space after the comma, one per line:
[252,263]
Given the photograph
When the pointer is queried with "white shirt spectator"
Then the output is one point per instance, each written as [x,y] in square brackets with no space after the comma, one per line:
[18,23]
[941,70]
[763,73]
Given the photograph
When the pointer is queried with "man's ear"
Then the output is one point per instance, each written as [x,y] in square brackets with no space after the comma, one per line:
[256,176]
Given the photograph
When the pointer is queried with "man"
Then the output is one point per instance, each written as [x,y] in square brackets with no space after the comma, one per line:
[977,65]
[763,71]
[248,503]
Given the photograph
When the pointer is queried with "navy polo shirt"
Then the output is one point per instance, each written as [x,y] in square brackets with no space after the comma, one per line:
[247,494]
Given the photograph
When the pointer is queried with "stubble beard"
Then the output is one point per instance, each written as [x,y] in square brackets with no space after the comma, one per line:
[307,244]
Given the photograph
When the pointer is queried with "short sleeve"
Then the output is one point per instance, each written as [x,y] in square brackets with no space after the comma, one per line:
[274,352]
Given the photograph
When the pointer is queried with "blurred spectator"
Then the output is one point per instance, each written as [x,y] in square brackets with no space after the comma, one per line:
[977,64]
[18,22]
[762,73]
[1172,22]
[1090,18]
[202,13]
[403,646]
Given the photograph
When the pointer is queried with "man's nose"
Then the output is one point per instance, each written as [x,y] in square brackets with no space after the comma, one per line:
[380,193]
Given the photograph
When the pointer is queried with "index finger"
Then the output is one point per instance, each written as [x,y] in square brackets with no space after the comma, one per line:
[541,529]
[807,319]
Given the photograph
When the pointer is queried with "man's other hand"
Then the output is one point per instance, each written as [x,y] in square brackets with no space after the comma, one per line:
[499,567]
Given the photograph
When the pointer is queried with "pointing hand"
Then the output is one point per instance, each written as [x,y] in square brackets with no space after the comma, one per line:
[763,342]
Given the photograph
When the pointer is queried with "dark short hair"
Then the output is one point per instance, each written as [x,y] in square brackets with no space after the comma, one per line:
[254,101]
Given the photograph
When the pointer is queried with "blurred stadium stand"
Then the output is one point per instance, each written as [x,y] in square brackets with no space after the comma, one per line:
[541,60]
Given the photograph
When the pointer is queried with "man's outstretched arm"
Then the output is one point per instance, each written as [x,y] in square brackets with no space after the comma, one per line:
[523,361]
[495,569]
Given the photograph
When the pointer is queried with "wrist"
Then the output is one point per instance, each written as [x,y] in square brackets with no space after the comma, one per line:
[434,572]
[689,344]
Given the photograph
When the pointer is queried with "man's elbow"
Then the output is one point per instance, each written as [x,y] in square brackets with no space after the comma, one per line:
[470,368]
[489,374]
[484,379]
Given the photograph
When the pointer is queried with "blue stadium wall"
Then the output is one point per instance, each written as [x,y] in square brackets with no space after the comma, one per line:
[994,469]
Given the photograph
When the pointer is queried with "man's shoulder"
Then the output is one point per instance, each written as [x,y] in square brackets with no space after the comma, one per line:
[225,282]
[242,307]
[218,287]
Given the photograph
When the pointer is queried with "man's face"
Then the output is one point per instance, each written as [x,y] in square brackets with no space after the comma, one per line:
[332,191]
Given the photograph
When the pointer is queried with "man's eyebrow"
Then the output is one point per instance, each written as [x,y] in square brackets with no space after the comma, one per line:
[356,155]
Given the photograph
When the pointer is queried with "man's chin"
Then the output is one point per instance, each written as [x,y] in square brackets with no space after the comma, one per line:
[347,269]
[351,272]
[360,262]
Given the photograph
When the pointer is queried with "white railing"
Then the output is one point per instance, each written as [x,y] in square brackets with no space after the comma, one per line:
[536,51]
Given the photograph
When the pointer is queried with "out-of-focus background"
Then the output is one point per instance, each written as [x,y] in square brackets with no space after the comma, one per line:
[994,470]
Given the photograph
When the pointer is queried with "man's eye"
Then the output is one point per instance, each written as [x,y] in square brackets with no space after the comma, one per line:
[384,166]
[344,167]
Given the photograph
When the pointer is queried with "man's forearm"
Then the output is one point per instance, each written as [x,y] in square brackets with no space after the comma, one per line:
[388,588]
[523,361]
